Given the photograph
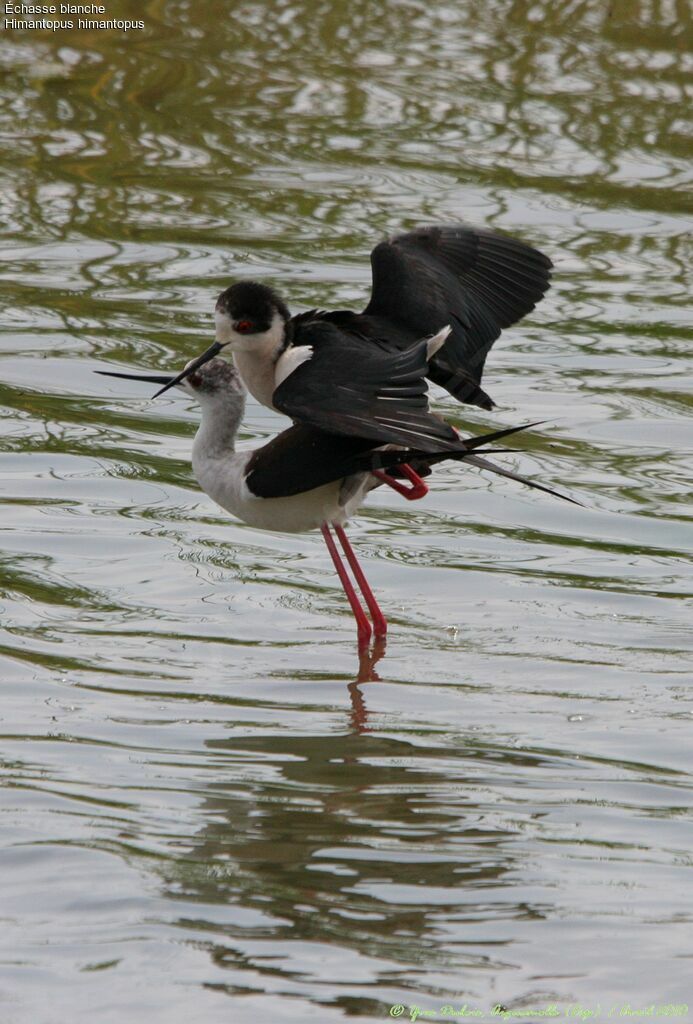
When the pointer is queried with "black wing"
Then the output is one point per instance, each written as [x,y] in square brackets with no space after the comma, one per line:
[302,458]
[348,386]
[476,281]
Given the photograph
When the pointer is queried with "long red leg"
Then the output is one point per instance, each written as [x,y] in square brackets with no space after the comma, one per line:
[417,490]
[363,626]
[379,620]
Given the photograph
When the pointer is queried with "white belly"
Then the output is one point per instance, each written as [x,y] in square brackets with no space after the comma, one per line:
[223,481]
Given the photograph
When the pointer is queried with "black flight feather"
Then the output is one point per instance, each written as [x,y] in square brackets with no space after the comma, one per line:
[473,279]
[302,458]
[350,387]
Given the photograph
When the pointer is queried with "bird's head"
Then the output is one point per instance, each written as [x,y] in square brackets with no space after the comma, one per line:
[250,317]
[216,381]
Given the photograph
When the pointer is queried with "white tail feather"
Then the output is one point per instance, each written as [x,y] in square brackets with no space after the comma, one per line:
[437,341]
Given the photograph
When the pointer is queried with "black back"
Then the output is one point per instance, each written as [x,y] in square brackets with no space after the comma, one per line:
[302,458]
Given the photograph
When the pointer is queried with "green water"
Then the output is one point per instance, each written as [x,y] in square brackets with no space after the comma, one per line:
[210,810]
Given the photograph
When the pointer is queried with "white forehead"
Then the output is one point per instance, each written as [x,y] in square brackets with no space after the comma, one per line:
[224,331]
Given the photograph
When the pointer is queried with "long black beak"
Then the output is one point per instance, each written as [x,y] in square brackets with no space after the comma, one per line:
[196,363]
[147,378]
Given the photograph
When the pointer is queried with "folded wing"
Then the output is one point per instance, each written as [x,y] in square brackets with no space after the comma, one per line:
[347,386]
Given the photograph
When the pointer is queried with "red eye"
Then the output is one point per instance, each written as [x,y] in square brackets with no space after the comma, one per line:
[244,326]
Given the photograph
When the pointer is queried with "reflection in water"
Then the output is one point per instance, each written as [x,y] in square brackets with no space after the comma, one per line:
[333,854]
[409,858]
[207,798]
[368,659]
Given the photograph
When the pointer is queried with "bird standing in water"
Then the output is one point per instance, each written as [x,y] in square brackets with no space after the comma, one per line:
[354,384]
[321,367]
[304,478]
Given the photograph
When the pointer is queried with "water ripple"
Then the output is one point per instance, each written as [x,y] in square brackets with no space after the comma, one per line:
[202,779]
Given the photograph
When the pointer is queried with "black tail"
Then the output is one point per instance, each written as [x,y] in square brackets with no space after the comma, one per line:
[422,461]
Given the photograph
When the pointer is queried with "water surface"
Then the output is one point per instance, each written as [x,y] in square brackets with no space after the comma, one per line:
[210,807]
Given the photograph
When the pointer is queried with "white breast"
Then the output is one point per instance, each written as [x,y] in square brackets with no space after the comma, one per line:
[257,373]
[290,361]
[261,375]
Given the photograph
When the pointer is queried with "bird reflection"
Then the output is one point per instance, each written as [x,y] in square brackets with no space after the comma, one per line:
[335,838]
[368,659]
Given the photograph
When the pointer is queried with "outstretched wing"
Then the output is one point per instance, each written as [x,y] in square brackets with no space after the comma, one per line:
[344,385]
[473,279]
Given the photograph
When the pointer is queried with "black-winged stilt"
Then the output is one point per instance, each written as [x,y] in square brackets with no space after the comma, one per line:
[471,279]
[306,478]
[322,368]
[354,384]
